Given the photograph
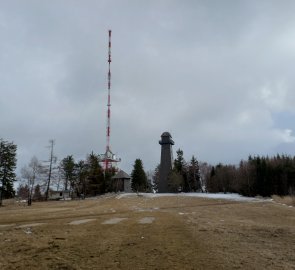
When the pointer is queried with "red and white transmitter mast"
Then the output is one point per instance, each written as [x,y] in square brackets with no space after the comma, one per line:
[109,159]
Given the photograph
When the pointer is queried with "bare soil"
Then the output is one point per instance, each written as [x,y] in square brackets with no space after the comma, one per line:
[149,233]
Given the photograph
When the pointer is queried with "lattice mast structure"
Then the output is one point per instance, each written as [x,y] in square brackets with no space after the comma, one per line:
[109,159]
[109,98]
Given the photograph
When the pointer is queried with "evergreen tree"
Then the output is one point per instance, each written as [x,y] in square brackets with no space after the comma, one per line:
[7,167]
[194,180]
[95,177]
[175,181]
[180,167]
[210,181]
[68,167]
[138,176]
[109,185]
[81,171]
[179,162]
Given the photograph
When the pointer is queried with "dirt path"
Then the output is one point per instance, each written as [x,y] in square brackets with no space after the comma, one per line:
[147,233]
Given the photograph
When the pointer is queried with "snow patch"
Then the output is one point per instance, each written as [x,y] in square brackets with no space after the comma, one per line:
[28,231]
[146,220]
[123,195]
[228,196]
[81,221]
[6,225]
[30,225]
[113,220]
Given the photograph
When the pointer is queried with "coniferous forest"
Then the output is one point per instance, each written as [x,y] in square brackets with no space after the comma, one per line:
[264,176]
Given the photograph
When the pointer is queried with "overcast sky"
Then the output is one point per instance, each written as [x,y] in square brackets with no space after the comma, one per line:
[218,75]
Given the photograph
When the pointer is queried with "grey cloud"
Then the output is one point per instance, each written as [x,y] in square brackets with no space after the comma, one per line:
[213,73]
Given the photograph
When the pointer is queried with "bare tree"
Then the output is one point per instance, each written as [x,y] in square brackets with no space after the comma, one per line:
[156,178]
[31,174]
[205,170]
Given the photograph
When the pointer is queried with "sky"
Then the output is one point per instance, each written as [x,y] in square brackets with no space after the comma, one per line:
[218,75]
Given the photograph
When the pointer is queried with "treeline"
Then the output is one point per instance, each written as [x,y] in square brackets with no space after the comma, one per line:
[259,175]
[264,176]
[82,178]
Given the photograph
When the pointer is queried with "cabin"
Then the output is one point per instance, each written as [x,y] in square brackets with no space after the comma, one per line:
[121,182]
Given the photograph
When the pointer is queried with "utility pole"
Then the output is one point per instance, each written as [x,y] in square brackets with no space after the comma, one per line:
[51,159]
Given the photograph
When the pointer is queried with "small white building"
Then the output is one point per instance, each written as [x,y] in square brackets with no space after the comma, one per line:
[59,195]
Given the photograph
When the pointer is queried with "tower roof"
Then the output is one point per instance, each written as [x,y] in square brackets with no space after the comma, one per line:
[166,138]
[166,134]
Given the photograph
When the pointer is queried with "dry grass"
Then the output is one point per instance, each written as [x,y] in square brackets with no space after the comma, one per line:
[186,233]
[9,202]
[287,200]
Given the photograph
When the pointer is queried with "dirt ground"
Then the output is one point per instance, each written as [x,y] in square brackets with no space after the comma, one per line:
[141,232]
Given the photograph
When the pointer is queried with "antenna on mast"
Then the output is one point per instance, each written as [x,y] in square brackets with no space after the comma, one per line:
[109,159]
[109,100]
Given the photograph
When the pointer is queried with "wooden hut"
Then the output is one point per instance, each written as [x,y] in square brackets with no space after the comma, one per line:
[121,182]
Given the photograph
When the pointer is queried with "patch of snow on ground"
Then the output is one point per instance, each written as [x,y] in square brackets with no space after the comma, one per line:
[27,231]
[146,220]
[6,225]
[113,220]
[283,204]
[30,225]
[138,209]
[228,196]
[81,221]
[123,195]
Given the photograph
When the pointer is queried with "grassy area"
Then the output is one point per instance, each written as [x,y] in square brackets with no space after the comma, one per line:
[147,233]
